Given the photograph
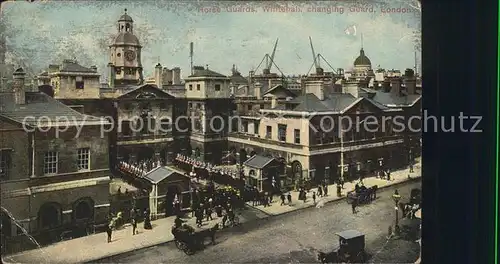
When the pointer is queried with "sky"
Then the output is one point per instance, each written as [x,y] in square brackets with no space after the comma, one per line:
[46,32]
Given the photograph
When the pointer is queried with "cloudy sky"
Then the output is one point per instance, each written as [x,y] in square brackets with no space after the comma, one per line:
[38,34]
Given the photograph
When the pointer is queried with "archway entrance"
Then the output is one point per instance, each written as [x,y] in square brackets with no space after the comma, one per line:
[145,154]
[49,216]
[172,190]
[83,210]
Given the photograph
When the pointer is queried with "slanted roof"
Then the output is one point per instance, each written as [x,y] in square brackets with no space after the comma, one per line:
[333,102]
[39,104]
[391,100]
[348,234]
[258,162]
[202,72]
[150,89]
[159,174]
[73,66]
[277,88]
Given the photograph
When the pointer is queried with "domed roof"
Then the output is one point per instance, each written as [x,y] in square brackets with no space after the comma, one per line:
[362,59]
[125,17]
[126,38]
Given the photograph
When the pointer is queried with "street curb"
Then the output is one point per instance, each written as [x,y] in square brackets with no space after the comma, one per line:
[337,199]
[267,218]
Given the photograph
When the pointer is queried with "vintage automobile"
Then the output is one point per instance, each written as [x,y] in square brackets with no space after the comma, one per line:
[350,250]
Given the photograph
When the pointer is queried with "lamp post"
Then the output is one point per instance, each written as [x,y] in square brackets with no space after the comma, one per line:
[396,197]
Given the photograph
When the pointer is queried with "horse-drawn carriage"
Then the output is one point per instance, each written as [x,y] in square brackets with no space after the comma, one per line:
[350,250]
[362,195]
[189,240]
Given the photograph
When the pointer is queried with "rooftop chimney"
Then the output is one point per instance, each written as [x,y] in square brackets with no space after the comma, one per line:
[395,86]
[410,81]
[317,88]
[93,68]
[176,78]
[351,86]
[18,86]
[158,75]
[256,90]
[386,85]
[167,76]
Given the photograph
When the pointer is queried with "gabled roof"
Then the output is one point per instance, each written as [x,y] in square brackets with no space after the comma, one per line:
[333,102]
[148,89]
[348,234]
[73,66]
[159,174]
[39,105]
[258,162]
[279,87]
[390,100]
[202,72]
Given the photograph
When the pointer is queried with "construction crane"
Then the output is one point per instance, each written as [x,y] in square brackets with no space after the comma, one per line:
[269,60]
[316,62]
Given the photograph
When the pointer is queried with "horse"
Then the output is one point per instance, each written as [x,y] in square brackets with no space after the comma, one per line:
[210,232]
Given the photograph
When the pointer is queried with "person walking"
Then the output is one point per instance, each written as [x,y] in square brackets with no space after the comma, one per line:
[411,168]
[282,197]
[388,174]
[314,197]
[109,230]
[289,198]
[354,204]
[199,217]
[339,190]
[320,191]
[208,212]
[134,225]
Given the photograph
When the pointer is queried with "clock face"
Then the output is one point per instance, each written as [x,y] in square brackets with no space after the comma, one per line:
[130,55]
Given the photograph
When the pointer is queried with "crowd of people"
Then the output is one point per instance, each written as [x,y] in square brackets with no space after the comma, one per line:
[222,202]
[206,166]
[139,168]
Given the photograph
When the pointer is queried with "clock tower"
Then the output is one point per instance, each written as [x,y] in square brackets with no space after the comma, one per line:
[125,67]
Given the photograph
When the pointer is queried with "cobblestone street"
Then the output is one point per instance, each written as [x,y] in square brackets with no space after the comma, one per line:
[296,237]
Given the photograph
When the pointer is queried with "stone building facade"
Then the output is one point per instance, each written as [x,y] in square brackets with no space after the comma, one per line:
[54,170]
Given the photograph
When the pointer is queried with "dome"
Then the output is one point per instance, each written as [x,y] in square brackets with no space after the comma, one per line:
[126,38]
[362,59]
[125,18]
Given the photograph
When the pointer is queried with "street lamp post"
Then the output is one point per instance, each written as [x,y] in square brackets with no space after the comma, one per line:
[396,197]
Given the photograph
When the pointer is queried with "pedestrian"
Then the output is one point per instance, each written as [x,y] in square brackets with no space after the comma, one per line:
[109,230]
[388,174]
[208,212]
[339,190]
[271,198]
[411,168]
[282,197]
[147,220]
[325,190]
[218,210]
[320,191]
[354,204]
[289,198]
[134,225]
[314,197]
[199,217]
[224,220]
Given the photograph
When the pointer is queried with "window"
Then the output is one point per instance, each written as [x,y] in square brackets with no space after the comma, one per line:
[249,107]
[50,162]
[296,135]
[165,125]
[79,82]
[129,71]
[269,131]
[118,71]
[163,106]
[119,54]
[190,87]
[217,87]
[83,159]
[261,106]
[198,87]
[282,132]
[125,128]
[5,164]
[190,105]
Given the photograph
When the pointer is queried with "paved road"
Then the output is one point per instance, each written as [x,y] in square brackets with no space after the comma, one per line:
[295,237]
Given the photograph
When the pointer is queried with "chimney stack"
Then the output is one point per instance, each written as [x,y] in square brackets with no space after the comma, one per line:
[176,78]
[395,86]
[410,81]
[111,75]
[93,68]
[351,86]
[386,85]
[158,75]
[167,75]
[317,88]
[256,90]
[18,86]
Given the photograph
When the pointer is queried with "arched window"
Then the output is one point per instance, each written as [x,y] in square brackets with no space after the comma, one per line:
[296,171]
[83,209]
[127,27]
[49,216]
